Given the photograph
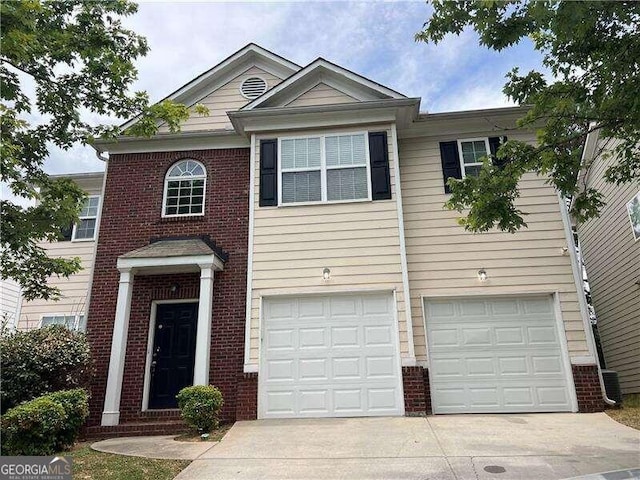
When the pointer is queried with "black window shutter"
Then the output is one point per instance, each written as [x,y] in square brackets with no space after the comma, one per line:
[494,144]
[268,173]
[379,158]
[65,232]
[450,162]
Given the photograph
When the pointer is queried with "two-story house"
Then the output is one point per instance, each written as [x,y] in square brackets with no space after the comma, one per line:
[610,245]
[291,247]
[78,240]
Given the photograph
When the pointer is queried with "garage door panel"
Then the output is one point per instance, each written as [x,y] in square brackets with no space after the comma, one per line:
[330,356]
[492,355]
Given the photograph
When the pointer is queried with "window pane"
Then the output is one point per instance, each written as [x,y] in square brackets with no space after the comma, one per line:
[468,157]
[86,228]
[82,323]
[300,160]
[473,170]
[313,148]
[332,151]
[347,183]
[64,320]
[345,150]
[287,153]
[346,157]
[300,153]
[301,187]
[473,151]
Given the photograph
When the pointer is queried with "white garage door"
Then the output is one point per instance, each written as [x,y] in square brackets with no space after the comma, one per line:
[496,355]
[329,357]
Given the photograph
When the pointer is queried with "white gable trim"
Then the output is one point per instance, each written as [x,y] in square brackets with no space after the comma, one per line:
[368,87]
[214,78]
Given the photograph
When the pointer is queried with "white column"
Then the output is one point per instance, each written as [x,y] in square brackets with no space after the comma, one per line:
[203,334]
[111,413]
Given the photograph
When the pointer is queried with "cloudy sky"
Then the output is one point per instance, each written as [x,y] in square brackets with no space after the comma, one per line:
[373,39]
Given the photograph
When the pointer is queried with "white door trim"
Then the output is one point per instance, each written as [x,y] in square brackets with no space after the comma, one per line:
[150,341]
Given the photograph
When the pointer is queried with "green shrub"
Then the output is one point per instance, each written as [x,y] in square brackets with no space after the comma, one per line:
[76,408]
[31,428]
[200,406]
[40,361]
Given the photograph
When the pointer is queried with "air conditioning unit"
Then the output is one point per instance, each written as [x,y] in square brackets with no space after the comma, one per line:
[612,385]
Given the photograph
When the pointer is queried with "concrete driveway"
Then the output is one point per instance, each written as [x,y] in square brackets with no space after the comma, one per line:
[453,447]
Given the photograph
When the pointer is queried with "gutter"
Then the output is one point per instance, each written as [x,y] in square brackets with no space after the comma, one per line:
[588,329]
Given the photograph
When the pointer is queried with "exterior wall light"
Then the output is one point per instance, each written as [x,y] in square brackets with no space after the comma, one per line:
[482,275]
[326,274]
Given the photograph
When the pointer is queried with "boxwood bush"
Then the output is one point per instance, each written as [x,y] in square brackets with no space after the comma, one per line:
[76,408]
[46,424]
[200,406]
[40,361]
[32,428]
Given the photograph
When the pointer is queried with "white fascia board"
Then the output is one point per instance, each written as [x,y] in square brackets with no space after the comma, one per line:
[294,118]
[321,64]
[159,262]
[227,70]
[203,140]
[469,123]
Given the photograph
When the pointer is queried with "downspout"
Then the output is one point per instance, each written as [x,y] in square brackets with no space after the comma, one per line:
[582,301]
[95,244]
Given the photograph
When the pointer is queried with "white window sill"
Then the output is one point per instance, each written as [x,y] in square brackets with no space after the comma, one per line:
[328,202]
[75,240]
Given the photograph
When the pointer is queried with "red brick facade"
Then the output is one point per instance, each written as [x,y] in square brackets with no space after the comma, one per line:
[417,396]
[588,388]
[247,398]
[131,217]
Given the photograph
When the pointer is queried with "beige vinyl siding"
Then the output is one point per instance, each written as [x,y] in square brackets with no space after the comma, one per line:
[223,100]
[9,298]
[75,288]
[443,259]
[321,94]
[358,241]
[612,260]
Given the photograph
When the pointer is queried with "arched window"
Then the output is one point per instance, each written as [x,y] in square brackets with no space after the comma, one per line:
[184,188]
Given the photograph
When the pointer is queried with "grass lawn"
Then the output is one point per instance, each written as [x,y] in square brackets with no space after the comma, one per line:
[89,464]
[629,414]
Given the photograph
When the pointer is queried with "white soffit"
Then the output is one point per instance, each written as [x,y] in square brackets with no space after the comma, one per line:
[323,71]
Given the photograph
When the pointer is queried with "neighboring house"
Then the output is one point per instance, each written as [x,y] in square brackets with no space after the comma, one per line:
[610,246]
[77,240]
[292,249]
[10,302]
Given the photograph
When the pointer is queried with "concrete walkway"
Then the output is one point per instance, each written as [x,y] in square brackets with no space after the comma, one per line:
[454,447]
[154,447]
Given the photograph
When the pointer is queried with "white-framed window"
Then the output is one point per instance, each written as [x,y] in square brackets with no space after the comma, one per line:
[85,229]
[76,322]
[471,151]
[184,189]
[324,169]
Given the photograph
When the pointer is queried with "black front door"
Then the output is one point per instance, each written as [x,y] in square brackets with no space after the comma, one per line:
[174,349]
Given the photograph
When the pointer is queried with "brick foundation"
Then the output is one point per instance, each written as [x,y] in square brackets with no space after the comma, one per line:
[247,398]
[417,396]
[131,218]
[588,389]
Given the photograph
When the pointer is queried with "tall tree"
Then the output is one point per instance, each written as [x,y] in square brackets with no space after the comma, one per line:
[592,50]
[79,59]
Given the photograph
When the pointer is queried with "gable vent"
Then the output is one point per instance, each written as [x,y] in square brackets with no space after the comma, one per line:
[253,87]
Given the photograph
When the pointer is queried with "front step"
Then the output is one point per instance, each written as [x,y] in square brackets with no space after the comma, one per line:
[170,427]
